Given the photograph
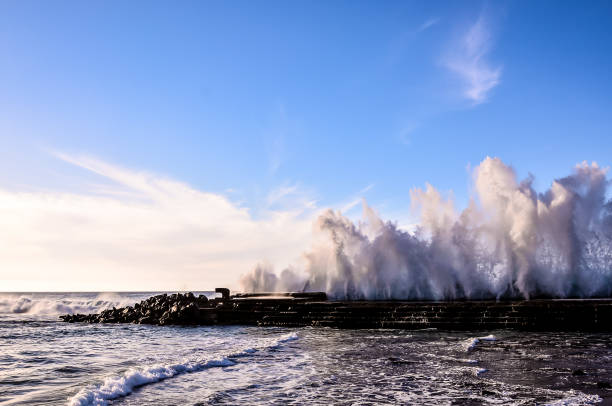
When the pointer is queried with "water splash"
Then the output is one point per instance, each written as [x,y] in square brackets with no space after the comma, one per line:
[510,242]
[36,304]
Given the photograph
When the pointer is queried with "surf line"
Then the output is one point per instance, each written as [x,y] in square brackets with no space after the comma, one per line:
[120,386]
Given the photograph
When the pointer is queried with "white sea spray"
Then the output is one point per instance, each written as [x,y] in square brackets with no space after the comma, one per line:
[510,242]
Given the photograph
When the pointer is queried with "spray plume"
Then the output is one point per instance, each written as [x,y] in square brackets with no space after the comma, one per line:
[510,242]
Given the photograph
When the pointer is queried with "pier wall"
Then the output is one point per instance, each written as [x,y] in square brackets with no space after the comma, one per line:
[313,309]
[562,315]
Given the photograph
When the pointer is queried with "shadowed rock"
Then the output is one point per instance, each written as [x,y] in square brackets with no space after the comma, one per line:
[163,309]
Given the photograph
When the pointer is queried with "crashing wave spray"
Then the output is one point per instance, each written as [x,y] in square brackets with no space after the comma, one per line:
[54,304]
[510,242]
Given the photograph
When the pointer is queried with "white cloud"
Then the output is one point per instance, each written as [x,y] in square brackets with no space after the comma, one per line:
[143,232]
[428,24]
[469,61]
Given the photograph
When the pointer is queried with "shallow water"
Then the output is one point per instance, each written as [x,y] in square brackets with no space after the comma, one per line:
[46,362]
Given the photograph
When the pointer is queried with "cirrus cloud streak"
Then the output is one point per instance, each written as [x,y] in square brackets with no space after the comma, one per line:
[469,61]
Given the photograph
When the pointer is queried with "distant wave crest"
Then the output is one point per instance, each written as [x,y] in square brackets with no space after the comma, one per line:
[47,305]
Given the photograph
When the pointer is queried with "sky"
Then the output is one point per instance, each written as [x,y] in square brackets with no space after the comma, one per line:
[162,146]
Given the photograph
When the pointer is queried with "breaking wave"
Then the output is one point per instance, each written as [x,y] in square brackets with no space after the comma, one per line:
[510,242]
[52,305]
[118,386]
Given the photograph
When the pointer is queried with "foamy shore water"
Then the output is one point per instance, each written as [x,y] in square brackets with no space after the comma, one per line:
[46,362]
[123,385]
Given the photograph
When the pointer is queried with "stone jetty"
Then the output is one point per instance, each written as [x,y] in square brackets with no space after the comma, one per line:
[314,309]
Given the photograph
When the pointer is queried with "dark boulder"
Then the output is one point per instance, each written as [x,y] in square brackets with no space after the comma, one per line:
[147,320]
[160,309]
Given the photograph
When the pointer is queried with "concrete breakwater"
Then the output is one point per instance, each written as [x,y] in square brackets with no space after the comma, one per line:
[313,309]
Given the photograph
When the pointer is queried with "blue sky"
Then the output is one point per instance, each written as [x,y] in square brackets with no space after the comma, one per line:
[274,104]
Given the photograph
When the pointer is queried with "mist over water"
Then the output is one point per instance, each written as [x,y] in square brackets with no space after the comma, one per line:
[510,242]
[48,306]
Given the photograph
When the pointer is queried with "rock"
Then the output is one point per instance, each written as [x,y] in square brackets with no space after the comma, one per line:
[146,320]
[160,309]
[604,385]
[165,319]
[225,293]
[578,372]
[189,313]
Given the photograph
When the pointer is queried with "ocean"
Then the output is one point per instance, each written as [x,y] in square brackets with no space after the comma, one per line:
[44,361]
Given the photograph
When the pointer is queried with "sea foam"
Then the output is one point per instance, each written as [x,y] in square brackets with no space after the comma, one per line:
[33,304]
[471,343]
[118,386]
[576,398]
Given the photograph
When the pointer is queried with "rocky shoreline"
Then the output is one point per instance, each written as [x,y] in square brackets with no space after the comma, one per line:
[161,310]
[313,309]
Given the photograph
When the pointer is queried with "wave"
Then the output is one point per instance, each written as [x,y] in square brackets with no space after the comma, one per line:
[471,343]
[56,304]
[510,242]
[118,386]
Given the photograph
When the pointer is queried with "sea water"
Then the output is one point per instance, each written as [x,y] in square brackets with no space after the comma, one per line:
[44,361]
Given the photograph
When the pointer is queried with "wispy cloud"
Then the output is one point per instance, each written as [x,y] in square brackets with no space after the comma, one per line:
[141,231]
[291,197]
[356,200]
[281,127]
[469,61]
[404,136]
[276,154]
[428,24]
